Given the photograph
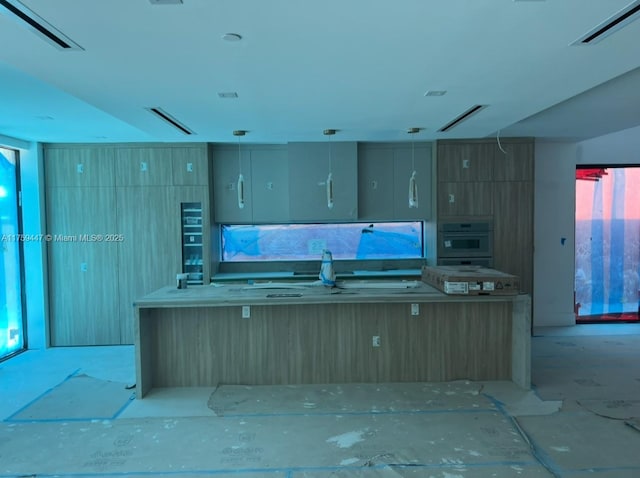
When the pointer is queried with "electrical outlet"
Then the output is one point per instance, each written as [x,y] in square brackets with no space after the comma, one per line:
[189,167]
[375,341]
[83,267]
[246,311]
[415,309]
[452,198]
[465,164]
[80,168]
[143,166]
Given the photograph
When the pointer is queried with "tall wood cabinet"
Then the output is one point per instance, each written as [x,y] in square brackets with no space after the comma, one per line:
[130,196]
[476,178]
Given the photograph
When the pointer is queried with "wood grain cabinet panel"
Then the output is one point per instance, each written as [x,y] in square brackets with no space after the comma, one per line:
[513,230]
[465,199]
[83,286]
[516,164]
[150,254]
[78,166]
[144,166]
[190,165]
[465,161]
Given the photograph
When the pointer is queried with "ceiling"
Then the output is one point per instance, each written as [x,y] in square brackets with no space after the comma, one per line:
[361,67]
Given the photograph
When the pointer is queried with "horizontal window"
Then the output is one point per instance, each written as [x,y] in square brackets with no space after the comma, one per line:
[299,242]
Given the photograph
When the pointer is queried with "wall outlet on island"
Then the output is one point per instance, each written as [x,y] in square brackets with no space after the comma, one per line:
[246,311]
[375,341]
[415,309]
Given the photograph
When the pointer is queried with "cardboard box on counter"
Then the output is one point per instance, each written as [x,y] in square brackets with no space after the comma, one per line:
[470,280]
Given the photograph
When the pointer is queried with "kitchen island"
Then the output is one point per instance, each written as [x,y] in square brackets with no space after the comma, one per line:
[295,333]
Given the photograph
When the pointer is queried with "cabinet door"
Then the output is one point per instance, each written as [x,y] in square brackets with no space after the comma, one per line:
[406,160]
[226,168]
[309,167]
[465,162]
[190,166]
[465,199]
[83,282]
[513,230]
[79,167]
[376,183]
[516,164]
[270,185]
[144,166]
[150,255]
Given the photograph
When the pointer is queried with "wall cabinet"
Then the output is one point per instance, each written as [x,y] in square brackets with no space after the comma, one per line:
[266,184]
[93,283]
[384,170]
[309,167]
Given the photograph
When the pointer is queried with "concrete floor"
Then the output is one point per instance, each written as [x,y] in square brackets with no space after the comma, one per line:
[68,412]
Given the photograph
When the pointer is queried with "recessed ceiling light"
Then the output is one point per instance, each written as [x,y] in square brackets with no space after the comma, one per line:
[231,37]
[435,93]
[45,118]
[228,94]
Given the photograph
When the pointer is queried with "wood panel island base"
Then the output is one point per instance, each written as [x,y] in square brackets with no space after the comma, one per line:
[201,336]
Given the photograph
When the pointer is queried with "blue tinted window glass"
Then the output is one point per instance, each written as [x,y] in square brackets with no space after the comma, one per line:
[296,242]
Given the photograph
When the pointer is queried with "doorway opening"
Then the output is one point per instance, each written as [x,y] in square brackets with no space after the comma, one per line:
[607,262]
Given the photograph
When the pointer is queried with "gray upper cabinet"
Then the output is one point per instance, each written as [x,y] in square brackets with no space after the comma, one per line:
[227,166]
[309,167]
[270,184]
[406,160]
[384,172]
[375,182]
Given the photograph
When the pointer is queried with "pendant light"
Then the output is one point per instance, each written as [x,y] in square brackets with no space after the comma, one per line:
[413,185]
[239,133]
[329,133]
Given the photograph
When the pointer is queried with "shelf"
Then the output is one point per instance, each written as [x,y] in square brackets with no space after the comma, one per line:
[192,245]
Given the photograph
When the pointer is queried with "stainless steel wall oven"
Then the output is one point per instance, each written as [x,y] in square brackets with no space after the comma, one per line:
[465,243]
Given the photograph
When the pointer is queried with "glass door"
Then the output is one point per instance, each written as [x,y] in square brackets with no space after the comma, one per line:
[11,312]
[607,279]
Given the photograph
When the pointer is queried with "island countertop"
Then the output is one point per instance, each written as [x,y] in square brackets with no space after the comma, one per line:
[361,331]
[283,293]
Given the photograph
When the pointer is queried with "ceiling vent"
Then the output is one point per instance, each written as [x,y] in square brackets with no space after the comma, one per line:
[610,25]
[16,11]
[464,116]
[167,118]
